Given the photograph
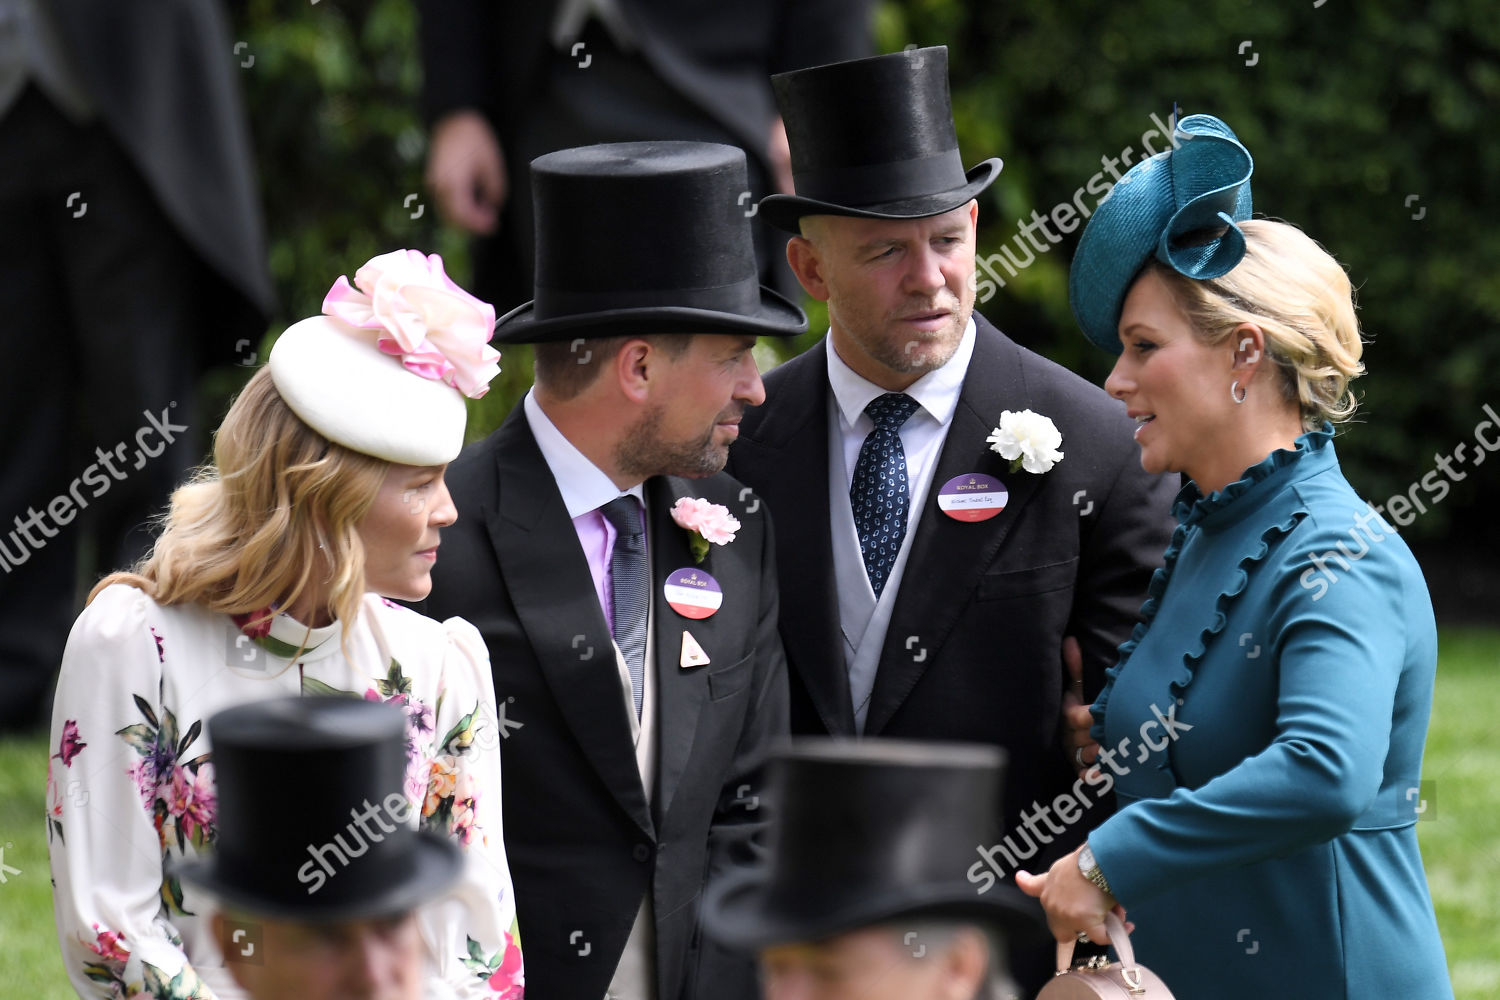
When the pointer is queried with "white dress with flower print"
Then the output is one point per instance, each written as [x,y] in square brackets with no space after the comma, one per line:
[130,784]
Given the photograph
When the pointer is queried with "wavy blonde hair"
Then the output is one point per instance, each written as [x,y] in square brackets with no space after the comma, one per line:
[274,515]
[1302,300]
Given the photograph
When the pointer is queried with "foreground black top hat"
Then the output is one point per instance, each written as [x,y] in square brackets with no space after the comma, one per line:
[297,849]
[866,832]
[645,237]
[873,138]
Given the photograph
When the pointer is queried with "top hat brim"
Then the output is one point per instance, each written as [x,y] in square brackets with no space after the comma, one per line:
[774,316]
[738,912]
[785,211]
[435,864]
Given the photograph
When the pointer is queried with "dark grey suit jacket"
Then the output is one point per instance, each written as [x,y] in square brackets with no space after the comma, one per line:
[161,75]
[972,652]
[583,843]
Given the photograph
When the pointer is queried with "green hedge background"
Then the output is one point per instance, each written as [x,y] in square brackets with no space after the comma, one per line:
[1372,128]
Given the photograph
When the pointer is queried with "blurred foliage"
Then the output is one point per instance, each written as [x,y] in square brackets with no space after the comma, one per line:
[1360,117]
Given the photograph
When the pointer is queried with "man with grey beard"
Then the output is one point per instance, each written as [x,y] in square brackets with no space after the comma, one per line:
[928,582]
[630,613]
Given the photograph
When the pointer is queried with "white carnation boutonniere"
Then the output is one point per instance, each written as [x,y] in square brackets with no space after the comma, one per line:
[706,523]
[1029,440]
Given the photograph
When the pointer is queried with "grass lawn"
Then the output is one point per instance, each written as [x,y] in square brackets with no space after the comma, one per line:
[1459,840]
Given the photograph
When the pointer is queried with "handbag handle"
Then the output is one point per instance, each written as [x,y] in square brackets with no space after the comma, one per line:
[1118,939]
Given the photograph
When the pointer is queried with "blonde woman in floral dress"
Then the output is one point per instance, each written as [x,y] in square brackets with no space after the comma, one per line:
[325,497]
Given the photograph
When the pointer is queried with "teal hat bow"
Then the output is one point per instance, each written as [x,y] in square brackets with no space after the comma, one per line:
[1181,205]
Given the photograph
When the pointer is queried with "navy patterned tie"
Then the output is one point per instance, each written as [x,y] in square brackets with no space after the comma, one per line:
[631,591]
[879,495]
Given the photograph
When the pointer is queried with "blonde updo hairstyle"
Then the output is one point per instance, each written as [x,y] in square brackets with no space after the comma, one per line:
[275,514]
[1303,302]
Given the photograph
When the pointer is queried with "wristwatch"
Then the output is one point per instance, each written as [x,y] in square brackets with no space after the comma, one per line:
[1090,870]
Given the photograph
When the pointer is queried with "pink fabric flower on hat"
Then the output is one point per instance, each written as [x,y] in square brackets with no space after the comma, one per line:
[708,522]
[438,330]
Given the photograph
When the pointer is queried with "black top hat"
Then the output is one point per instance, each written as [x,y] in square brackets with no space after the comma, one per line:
[873,138]
[865,832]
[292,847]
[645,237]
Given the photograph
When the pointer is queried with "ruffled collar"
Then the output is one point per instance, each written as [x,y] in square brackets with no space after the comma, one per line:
[1262,480]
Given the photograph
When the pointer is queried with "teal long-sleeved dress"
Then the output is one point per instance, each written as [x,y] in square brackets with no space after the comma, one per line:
[1265,727]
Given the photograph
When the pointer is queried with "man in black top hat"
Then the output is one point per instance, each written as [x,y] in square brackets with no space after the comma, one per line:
[928,582]
[353,933]
[637,658]
[864,895]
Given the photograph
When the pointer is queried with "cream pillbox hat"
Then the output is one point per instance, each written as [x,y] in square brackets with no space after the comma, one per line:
[385,371]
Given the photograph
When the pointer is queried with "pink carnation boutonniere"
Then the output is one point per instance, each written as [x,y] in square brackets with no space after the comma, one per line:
[706,523]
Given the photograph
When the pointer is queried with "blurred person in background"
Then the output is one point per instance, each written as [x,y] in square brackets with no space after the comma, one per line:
[1288,650]
[505,83]
[134,257]
[272,577]
[362,938]
[863,893]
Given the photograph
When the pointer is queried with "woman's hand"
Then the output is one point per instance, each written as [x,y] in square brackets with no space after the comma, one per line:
[1074,905]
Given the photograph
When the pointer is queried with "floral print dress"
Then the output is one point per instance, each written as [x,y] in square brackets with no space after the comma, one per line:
[130,787]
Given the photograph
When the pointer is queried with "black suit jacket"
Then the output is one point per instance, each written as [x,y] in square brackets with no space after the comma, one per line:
[164,80]
[491,56]
[584,845]
[973,648]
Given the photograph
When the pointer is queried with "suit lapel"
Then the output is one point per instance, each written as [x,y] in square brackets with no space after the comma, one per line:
[795,430]
[553,592]
[680,691]
[948,556]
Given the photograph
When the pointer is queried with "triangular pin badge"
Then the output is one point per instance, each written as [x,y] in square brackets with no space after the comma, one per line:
[692,653]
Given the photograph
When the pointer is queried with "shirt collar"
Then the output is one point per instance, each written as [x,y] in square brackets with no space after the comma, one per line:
[936,392]
[583,485]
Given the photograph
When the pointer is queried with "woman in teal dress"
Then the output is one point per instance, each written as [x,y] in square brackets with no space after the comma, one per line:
[1263,730]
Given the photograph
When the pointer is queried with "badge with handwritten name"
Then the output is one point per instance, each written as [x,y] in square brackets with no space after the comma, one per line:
[973,496]
[692,593]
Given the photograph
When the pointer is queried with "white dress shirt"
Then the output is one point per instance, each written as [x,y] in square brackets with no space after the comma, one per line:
[585,488]
[862,619]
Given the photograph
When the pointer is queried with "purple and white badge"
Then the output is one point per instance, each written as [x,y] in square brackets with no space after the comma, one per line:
[692,593]
[973,496]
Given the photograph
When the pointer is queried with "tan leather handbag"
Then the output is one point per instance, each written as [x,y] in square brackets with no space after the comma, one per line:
[1103,980]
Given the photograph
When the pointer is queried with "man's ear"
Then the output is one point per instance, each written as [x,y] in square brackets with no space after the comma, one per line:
[966,963]
[635,366]
[802,254]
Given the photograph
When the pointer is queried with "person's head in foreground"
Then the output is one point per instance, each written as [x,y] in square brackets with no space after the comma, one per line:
[327,474]
[1235,335]
[648,303]
[317,894]
[884,213]
[864,895]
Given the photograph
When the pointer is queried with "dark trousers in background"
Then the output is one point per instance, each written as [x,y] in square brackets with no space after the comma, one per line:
[98,297]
